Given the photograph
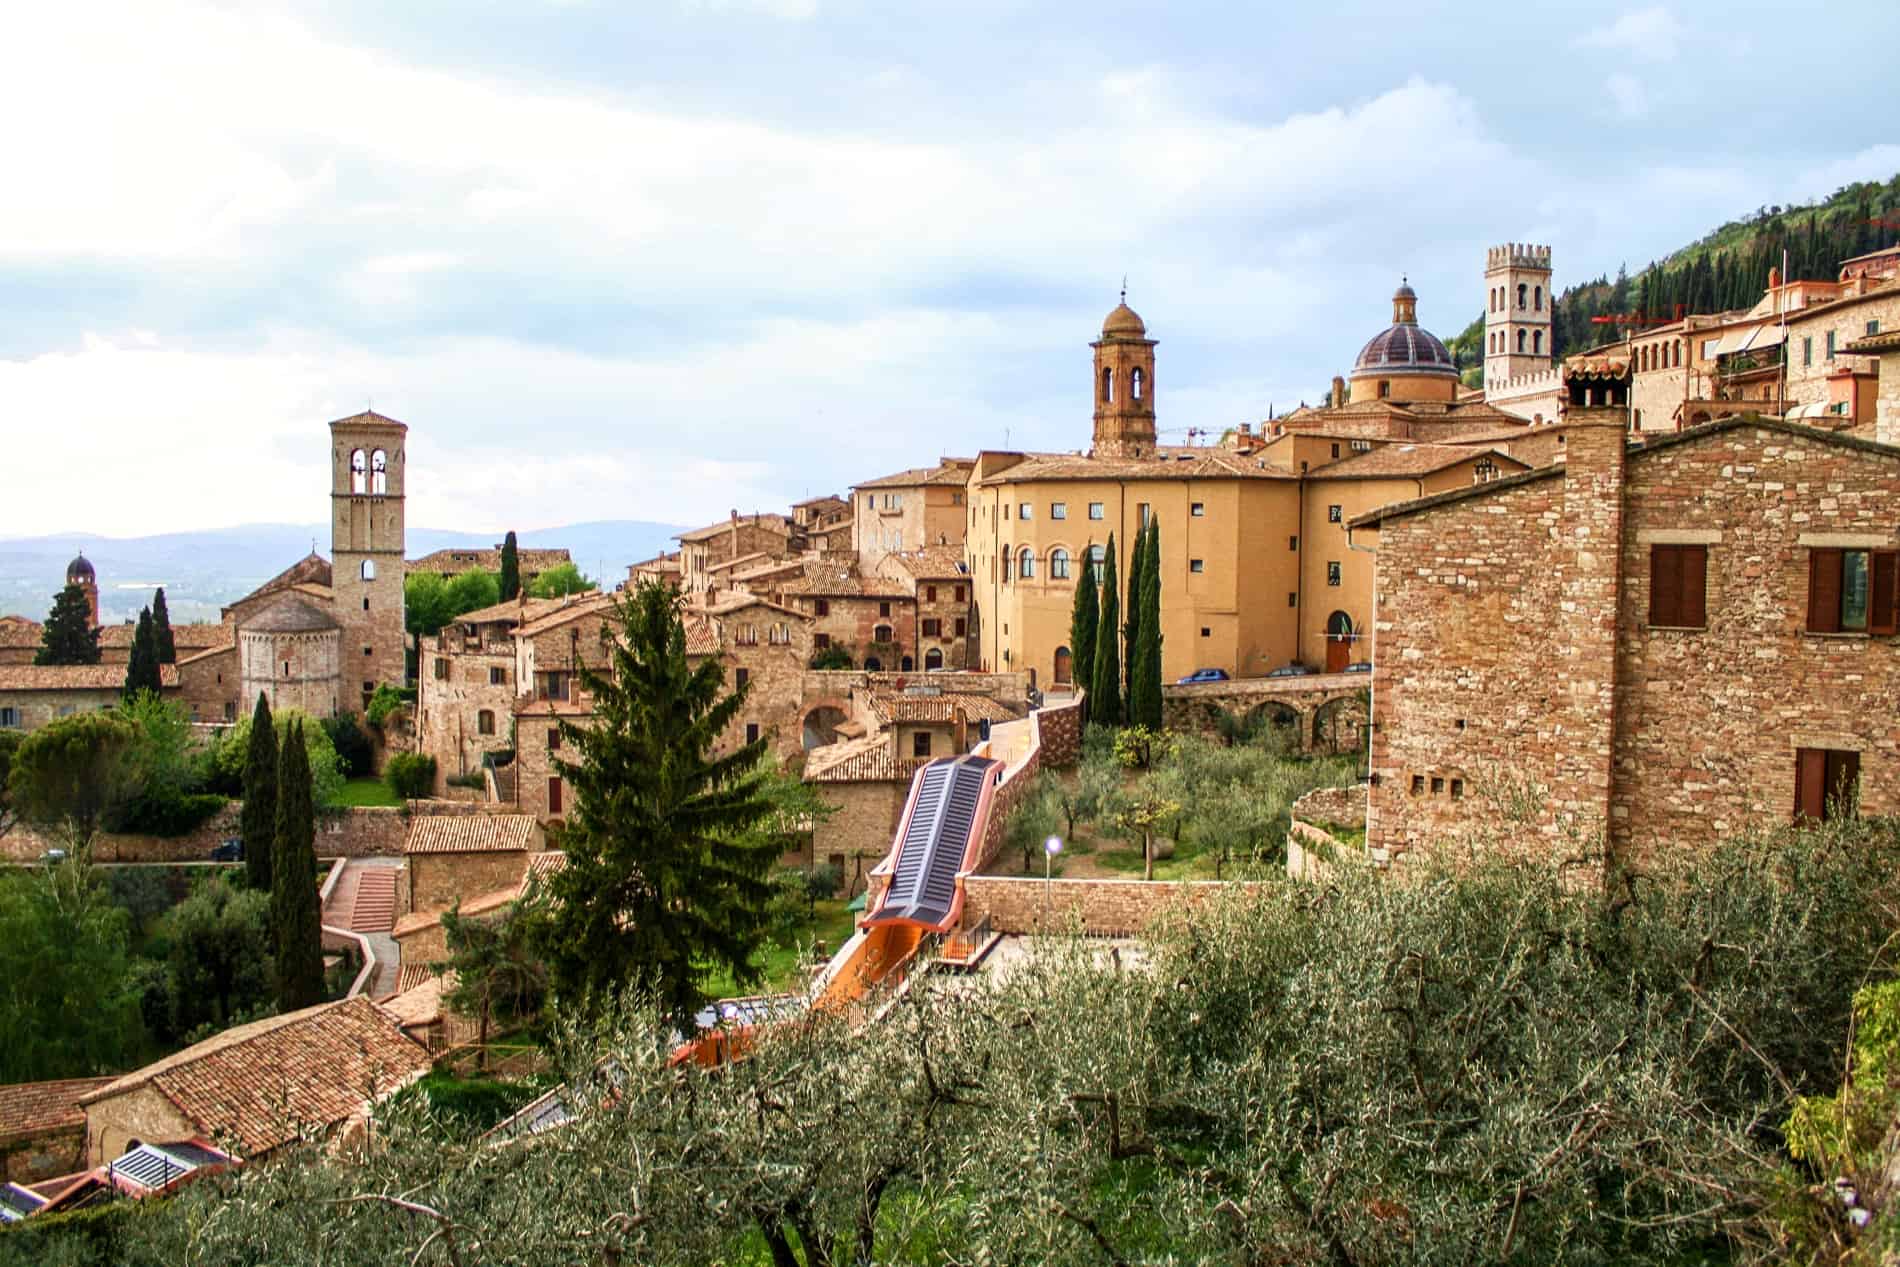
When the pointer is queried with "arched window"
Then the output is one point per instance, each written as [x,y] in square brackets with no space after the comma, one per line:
[1537,298]
[1134,384]
[485,722]
[1521,288]
[872,664]
[379,472]
[1058,564]
[933,659]
[1026,563]
[1520,340]
[1097,554]
[1006,559]
[881,633]
[369,569]
[1537,340]
[1678,358]
[359,472]
[1108,386]
[1385,389]
[906,665]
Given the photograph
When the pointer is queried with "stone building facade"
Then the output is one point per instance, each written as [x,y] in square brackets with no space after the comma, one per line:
[938,578]
[765,535]
[367,499]
[290,653]
[909,510]
[871,616]
[1648,646]
[31,696]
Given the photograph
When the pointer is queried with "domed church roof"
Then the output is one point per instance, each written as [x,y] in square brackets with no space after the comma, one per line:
[79,570]
[1404,347]
[1124,323]
[290,615]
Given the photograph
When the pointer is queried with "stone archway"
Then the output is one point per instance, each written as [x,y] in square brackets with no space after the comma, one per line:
[821,722]
[1339,725]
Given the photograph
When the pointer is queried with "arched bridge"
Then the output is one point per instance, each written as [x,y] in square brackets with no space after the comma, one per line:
[1327,710]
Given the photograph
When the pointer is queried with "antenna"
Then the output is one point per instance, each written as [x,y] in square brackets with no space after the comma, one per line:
[1124,288]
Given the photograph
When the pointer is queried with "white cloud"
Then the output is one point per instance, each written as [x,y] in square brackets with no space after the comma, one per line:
[1627,95]
[1649,34]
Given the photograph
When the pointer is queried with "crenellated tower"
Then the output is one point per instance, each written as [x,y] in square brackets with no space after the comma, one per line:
[1517,308]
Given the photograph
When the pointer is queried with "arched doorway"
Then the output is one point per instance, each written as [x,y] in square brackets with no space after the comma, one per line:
[873,665]
[905,665]
[1339,640]
[1064,669]
[1339,725]
[933,659]
[821,726]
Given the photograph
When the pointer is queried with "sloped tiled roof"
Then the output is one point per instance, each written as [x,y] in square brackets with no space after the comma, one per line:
[1167,464]
[932,563]
[291,614]
[844,580]
[18,631]
[546,863]
[866,760]
[571,608]
[889,708]
[916,477]
[312,569]
[421,1002]
[481,904]
[34,1108]
[510,612]
[469,833]
[191,637]
[770,522]
[1409,461]
[265,1083]
[454,561]
[74,677]
[702,636]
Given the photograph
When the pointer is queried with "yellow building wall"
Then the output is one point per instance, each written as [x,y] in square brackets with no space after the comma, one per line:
[1403,387]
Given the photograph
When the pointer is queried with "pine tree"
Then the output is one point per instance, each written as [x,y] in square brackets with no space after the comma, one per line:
[259,822]
[295,920]
[1082,620]
[1131,621]
[68,637]
[1106,705]
[162,629]
[510,569]
[141,668]
[1144,701]
[668,843]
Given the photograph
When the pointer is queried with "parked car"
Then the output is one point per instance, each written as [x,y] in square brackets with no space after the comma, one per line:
[1291,670]
[231,850]
[1204,675]
[52,857]
[1363,666]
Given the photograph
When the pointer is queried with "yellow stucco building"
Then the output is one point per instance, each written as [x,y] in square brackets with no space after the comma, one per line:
[1257,568]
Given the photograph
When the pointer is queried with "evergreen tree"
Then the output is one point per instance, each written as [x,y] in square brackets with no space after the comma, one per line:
[68,637]
[1144,700]
[162,629]
[296,922]
[259,821]
[498,976]
[1131,622]
[510,569]
[141,668]
[1082,620]
[1106,706]
[668,843]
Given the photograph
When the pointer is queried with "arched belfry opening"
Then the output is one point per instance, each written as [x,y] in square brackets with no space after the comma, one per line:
[1125,369]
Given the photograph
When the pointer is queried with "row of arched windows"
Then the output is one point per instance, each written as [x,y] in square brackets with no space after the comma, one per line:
[1536,341]
[1061,563]
[1659,356]
[369,473]
[1136,385]
[1500,297]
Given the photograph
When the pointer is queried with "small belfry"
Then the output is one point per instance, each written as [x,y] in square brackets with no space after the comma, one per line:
[1124,385]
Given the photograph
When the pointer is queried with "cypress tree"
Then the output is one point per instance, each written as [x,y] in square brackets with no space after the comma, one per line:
[259,821]
[162,629]
[141,668]
[1144,701]
[68,637]
[1131,621]
[1106,706]
[295,920]
[1082,620]
[510,569]
[669,842]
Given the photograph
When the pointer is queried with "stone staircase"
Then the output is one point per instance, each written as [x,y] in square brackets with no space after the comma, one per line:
[374,910]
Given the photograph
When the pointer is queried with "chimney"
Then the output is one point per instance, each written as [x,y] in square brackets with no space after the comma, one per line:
[1339,391]
[1774,278]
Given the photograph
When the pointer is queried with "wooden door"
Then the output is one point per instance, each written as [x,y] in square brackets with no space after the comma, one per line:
[1338,653]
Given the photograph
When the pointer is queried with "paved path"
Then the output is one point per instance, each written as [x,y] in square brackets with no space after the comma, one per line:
[343,910]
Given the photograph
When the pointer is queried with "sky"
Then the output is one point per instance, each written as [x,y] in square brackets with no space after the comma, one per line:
[661,260]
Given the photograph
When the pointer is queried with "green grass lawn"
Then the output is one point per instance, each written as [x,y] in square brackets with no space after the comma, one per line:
[779,964]
[360,792]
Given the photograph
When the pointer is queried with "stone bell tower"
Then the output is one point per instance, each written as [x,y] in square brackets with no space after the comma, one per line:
[366,551]
[1516,311]
[1124,386]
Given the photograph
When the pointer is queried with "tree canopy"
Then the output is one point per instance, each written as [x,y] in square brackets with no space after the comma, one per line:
[71,773]
[560,581]
[1083,616]
[510,568]
[162,629]
[1105,694]
[69,1008]
[68,636]
[296,923]
[141,667]
[259,816]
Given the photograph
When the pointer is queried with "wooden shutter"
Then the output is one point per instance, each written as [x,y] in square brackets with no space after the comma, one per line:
[1665,585]
[1824,590]
[1694,606]
[1883,572]
[554,794]
[1810,783]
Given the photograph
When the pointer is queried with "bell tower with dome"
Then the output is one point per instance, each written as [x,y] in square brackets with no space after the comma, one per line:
[1124,386]
[1405,361]
[79,572]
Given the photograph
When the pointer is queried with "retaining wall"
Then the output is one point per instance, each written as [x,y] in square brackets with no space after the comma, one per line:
[1118,908]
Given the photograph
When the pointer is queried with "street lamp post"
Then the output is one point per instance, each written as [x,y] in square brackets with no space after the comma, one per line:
[1050,848]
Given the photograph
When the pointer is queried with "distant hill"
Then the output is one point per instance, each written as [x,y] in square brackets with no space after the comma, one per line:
[202,571]
[1725,268]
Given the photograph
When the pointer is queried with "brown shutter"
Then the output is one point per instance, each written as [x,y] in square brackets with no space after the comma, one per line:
[1824,591]
[1693,604]
[1665,585]
[1810,783]
[1883,569]
[554,795]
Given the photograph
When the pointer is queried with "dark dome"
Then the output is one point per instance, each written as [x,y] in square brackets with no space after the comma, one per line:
[1407,348]
[79,570]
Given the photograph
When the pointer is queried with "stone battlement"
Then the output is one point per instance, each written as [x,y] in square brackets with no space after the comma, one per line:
[1517,255]
[1525,384]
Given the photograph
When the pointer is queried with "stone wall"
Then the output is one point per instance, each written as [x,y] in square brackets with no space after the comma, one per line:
[356,832]
[456,693]
[438,881]
[1119,908]
[863,826]
[43,1155]
[1059,733]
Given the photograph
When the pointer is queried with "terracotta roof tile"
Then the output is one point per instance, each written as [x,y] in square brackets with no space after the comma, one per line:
[951,471]
[511,612]
[1403,460]
[866,760]
[74,677]
[1198,463]
[889,708]
[573,607]
[34,1108]
[453,561]
[263,1084]
[772,523]
[932,563]
[312,569]
[192,637]
[844,580]
[469,833]
[481,904]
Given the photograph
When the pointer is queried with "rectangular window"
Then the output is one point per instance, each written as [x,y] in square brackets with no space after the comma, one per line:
[554,794]
[1873,327]
[920,744]
[1362,446]
[1678,586]
[930,593]
[1830,345]
[1058,510]
[958,596]
[441,669]
[1206,632]
[740,677]
[1333,514]
[1852,591]
[1292,543]
[557,686]
[933,628]
[1197,509]
[1197,565]
[554,738]
[1418,785]
[1023,511]
[1457,789]
[1807,350]
[9,718]
[884,609]
[497,676]
[821,607]
[1141,513]
[1826,783]
[1332,572]
[961,625]
[1095,510]
[820,641]
[752,732]
[1438,786]
[369,651]
[1292,598]
[1335,450]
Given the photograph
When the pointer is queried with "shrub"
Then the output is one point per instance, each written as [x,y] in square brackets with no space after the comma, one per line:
[835,656]
[385,700]
[232,751]
[410,775]
[353,752]
[473,779]
[160,811]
